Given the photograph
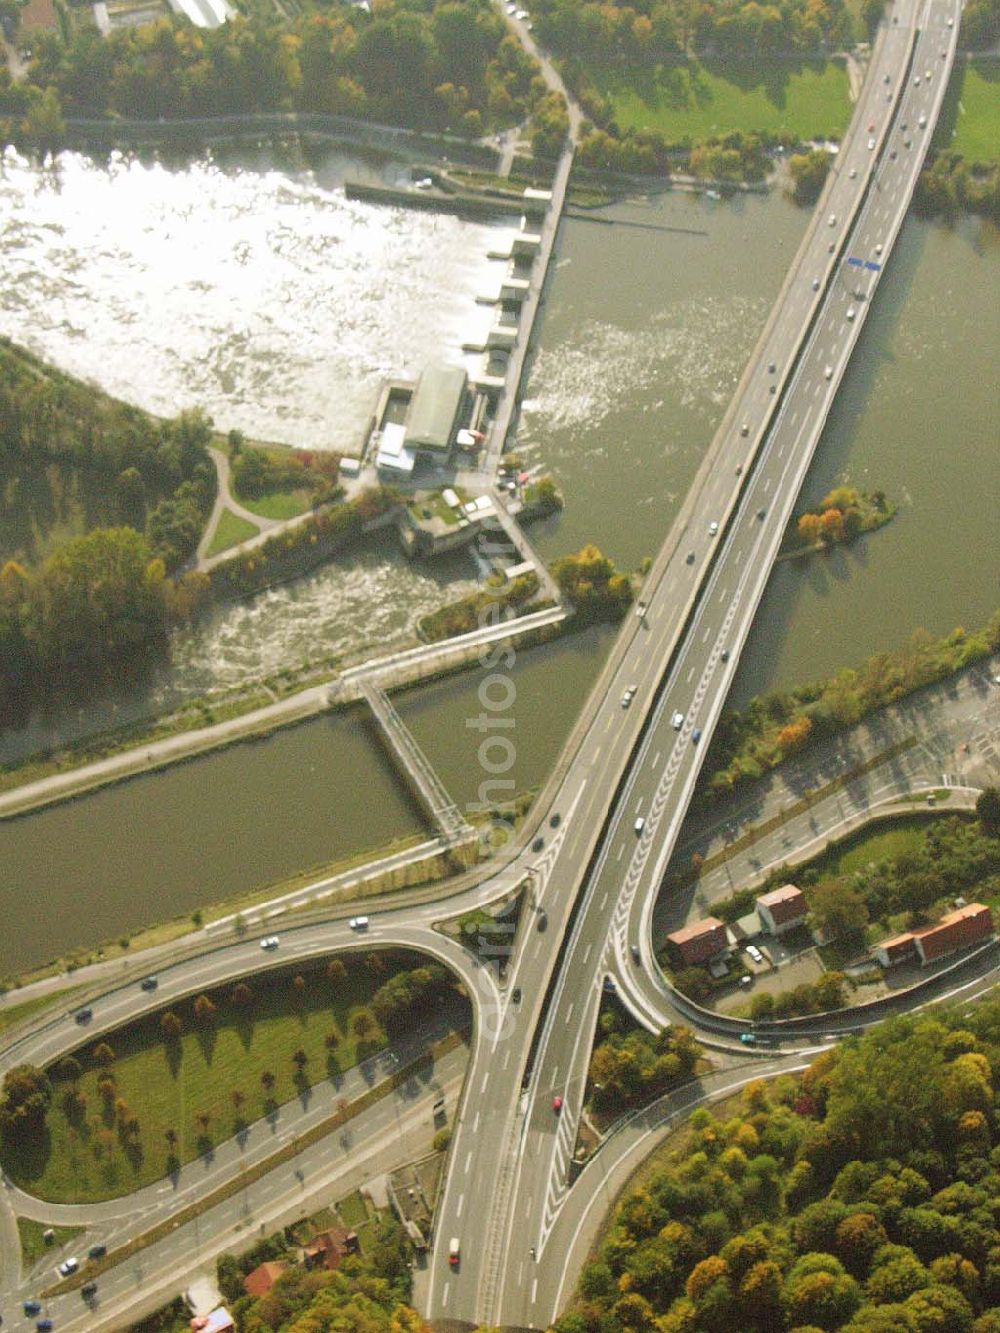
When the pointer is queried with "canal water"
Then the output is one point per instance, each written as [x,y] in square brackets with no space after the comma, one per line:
[643,336]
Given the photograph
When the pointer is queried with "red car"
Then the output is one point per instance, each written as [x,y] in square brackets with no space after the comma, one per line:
[557,1103]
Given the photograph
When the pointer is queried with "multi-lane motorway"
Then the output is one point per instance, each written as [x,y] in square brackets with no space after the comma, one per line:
[509,1171]
[610,820]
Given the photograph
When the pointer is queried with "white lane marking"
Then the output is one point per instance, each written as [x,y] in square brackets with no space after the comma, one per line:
[705,636]
[444,1294]
[475,1123]
[656,759]
[534,1290]
[506,1060]
[461,1201]
[569,1012]
[689,675]
[603,901]
[621,849]
[486,1079]
[468,1162]
[587,954]
[597,753]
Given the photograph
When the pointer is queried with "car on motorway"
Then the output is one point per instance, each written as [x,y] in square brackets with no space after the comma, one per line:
[832,222]
[871,128]
[556,819]
[713,528]
[951,22]
[878,248]
[84,1015]
[69,1266]
[755,953]
[515,995]
[748,1039]
[557,1103]
[270,942]
[88,1290]
[871,143]
[850,312]
[454,1252]
[927,75]
[359,923]
[771,367]
[543,921]
[745,429]
[690,557]
[828,372]
[636,955]
[815,284]
[887,79]
[903,125]
[626,698]
[892,156]
[761,514]
[852,173]
[907,143]
[696,736]
[640,609]
[677,721]
[724,655]
[97,1252]
[538,844]
[916,82]
[922,122]
[639,825]
[149,983]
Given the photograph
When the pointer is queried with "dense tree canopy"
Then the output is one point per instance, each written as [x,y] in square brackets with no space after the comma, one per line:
[860,1196]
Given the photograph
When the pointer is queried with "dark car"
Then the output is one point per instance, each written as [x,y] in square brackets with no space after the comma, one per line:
[636,955]
[690,557]
[149,983]
[724,655]
[538,844]
[88,1290]
[97,1252]
[515,995]
[43,1325]
[84,1015]
[543,920]
[555,821]
[32,1306]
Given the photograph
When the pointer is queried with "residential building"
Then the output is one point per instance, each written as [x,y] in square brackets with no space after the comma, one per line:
[263,1277]
[327,1248]
[898,949]
[971,924]
[697,943]
[782,909]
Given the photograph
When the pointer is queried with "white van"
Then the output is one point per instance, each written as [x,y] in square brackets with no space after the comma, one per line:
[359,923]
[639,825]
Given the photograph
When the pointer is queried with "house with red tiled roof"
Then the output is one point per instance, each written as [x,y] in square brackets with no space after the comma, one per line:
[327,1248]
[898,949]
[697,943]
[782,909]
[263,1277]
[967,925]
[971,924]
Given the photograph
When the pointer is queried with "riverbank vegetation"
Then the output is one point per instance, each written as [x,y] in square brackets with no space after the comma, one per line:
[772,727]
[808,172]
[479,609]
[72,458]
[843,514]
[141,1101]
[951,185]
[854,1196]
[594,586]
[450,65]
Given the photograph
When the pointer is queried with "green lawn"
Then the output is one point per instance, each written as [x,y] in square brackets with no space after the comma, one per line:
[805,98]
[883,843]
[230,531]
[167,1085]
[279,504]
[33,1246]
[970,117]
[12,1012]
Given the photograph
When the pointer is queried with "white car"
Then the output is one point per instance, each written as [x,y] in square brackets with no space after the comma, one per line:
[815,284]
[871,144]
[828,373]
[358,923]
[639,825]
[922,122]
[850,312]
[713,528]
[916,82]
[677,721]
[853,173]
[927,75]
[269,942]
[755,953]
[833,220]
[951,23]
[521,14]
[69,1266]
[878,248]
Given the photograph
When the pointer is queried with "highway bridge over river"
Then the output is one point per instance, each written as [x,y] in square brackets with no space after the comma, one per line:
[608,819]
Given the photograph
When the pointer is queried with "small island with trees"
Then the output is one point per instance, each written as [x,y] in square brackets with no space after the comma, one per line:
[842,515]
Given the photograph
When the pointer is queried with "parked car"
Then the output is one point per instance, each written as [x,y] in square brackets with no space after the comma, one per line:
[755,953]
[31,1306]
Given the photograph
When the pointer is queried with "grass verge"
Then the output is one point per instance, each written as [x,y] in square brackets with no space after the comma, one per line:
[17,1013]
[806,99]
[201,1087]
[340,1117]
[34,1246]
[970,117]
[230,530]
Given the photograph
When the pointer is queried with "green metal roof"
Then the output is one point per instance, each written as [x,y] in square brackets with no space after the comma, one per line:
[435,407]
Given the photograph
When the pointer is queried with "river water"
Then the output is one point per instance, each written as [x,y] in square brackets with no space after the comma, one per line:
[643,335]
